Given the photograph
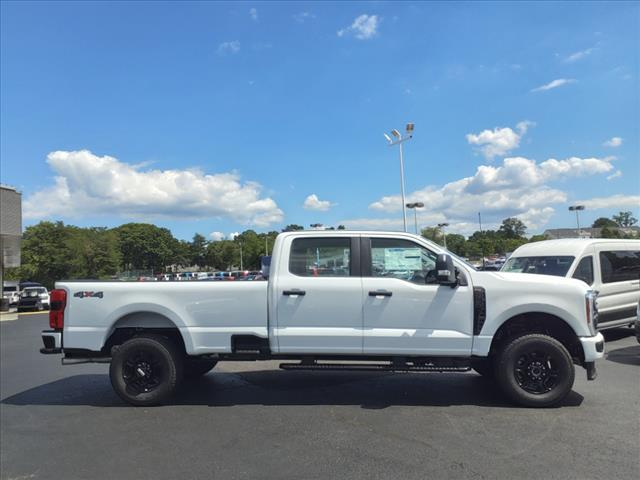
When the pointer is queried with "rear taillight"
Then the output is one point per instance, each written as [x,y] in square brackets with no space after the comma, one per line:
[58,302]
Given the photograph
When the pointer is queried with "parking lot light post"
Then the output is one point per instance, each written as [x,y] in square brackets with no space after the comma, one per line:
[577,209]
[442,226]
[415,206]
[399,140]
[241,264]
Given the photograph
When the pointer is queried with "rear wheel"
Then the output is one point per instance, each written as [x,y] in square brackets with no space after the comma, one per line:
[535,371]
[146,370]
[196,367]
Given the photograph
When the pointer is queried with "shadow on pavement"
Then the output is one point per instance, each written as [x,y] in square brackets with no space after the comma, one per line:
[371,390]
[625,355]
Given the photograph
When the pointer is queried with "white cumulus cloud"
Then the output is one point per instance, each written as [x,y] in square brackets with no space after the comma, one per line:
[217,236]
[364,27]
[86,184]
[614,201]
[613,142]
[554,84]
[312,202]
[253,13]
[499,141]
[617,174]
[229,48]
[519,187]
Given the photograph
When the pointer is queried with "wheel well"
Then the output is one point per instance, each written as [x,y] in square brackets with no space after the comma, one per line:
[140,323]
[537,322]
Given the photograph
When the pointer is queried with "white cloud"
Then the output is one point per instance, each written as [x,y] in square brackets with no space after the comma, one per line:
[253,13]
[613,142]
[229,48]
[312,202]
[88,185]
[499,141]
[554,84]
[303,17]
[233,235]
[519,187]
[574,57]
[617,174]
[364,27]
[614,201]
[217,236]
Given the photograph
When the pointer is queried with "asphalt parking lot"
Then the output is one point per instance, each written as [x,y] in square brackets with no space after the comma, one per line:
[252,420]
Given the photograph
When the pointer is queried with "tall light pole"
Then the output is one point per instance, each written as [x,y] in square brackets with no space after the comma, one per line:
[399,140]
[241,265]
[441,226]
[577,208]
[415,207]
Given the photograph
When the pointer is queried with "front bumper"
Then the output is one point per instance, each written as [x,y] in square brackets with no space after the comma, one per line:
[593,347]
[52,340]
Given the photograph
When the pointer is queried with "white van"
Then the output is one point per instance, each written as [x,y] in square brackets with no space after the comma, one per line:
[610,266]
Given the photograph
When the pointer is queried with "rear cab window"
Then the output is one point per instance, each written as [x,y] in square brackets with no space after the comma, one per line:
[619,265]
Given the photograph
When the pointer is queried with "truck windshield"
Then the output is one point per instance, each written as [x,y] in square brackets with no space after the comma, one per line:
[552,265]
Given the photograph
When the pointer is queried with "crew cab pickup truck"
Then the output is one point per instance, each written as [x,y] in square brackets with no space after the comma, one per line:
[337,300]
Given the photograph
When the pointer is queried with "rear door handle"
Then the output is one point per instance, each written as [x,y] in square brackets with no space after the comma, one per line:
[380,293]
[294,291]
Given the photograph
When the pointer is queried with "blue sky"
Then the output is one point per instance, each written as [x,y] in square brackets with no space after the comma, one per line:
[217,117]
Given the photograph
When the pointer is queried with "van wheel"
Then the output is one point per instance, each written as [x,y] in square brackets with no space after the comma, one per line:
[196,367]
[535,371]
[146,370]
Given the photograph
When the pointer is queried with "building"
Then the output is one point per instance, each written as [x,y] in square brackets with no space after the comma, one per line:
[555,233]
[10,228]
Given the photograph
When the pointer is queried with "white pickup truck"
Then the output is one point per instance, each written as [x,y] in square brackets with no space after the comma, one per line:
[336,300]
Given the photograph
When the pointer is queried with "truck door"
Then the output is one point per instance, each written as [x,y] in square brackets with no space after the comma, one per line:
[405,311]
[318,291]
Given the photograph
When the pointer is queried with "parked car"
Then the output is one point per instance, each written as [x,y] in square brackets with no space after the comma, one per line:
[11,291]
[33,298]
[525,331]
[609,266]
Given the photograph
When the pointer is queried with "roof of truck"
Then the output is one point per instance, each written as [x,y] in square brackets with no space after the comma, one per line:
[570,246]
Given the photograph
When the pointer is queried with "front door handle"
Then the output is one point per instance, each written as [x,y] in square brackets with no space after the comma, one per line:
[380,293]
[294,291]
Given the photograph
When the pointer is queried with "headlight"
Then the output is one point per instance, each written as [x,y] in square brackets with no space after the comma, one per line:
[591,310]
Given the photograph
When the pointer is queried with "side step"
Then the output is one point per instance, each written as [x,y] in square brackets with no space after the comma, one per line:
[378,367]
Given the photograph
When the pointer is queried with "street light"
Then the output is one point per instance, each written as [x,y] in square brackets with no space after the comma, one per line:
[577,208]
[399,140]
[444,234]
[415,206]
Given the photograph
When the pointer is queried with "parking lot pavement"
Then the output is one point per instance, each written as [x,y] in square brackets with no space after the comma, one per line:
[252,420]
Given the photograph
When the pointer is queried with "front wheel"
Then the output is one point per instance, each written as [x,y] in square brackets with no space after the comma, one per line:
[535,370]
[146,370]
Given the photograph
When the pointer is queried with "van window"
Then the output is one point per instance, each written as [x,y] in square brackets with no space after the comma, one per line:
[551,265]
[584,270]
[320,257]
[619,266]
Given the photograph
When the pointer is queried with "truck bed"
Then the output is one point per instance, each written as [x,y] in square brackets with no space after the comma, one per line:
[207,313]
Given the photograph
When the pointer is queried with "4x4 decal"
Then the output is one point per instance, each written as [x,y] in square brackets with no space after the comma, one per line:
[88,294]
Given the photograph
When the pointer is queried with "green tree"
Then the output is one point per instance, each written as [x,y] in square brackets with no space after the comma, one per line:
[145,246]
[292,228]
[198,250]
[96,252]
[538,238]
[603,222]
[513,227]
[625,219]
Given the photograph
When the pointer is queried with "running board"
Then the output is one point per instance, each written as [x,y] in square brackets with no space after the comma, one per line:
[374,367]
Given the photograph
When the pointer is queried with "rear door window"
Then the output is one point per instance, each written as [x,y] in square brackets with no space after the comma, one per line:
[321,257]
[619,265]
[584,270]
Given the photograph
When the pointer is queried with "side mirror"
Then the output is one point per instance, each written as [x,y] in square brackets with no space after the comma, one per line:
[445,270]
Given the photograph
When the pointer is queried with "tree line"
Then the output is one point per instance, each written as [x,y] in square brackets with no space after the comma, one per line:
[52,250]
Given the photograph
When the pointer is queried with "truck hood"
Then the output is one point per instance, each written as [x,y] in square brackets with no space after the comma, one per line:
[522,280]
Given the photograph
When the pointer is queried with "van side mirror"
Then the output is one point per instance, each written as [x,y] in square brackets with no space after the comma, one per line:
[445,270]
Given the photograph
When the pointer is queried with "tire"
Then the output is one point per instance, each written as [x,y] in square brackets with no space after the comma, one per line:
[535,371]
[485,367]
[196,367]
[146,370]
